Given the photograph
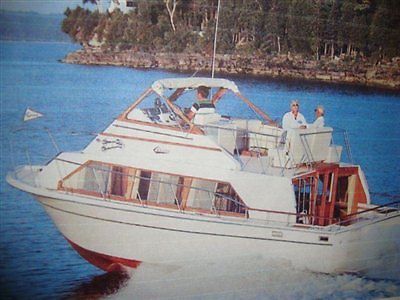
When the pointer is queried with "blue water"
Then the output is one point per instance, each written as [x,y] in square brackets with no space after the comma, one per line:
[36,262]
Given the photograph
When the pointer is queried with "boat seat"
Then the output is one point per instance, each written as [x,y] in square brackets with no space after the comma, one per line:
[308,145]
[205,116]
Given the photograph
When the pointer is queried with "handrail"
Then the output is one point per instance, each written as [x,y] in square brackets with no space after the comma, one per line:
[346,142]
[354,216]
[299,215]
[387,205]
[240,129]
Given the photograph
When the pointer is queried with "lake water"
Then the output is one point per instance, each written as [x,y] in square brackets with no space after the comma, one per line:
[36,262]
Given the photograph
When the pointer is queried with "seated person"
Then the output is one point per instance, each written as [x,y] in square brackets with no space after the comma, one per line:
[319,118]
[203,104]
[294,119]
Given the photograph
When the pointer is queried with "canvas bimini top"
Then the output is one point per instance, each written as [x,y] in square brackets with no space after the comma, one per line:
[161,85]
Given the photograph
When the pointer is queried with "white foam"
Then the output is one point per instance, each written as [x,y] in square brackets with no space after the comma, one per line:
[246,278]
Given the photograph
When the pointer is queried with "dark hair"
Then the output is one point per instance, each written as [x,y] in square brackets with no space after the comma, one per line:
[203,90]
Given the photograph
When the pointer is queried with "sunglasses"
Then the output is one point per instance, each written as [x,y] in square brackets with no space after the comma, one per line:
[295,105]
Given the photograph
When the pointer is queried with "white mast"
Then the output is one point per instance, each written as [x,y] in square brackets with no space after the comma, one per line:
[215,41]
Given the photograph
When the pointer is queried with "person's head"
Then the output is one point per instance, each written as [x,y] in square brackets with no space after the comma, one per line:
[319,111]
[202,92]
[294,106]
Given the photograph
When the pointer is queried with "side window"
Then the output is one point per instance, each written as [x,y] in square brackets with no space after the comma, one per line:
[144,185]
[227,199]
[163,188]
[125,183]
[92,177]
[201,194]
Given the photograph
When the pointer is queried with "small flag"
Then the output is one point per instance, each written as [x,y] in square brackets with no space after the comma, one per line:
[30,114]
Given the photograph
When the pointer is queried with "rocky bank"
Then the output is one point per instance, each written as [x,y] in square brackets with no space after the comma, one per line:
[384,74]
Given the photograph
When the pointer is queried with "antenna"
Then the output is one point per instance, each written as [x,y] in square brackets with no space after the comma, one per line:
[215,40]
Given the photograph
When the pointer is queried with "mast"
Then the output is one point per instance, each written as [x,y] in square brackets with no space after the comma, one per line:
[215,40]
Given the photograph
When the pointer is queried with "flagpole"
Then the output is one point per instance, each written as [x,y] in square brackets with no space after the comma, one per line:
[215,40]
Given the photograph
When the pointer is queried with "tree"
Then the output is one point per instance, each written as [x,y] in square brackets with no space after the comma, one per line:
[308,27]
[385,29]
[171,11]
[332,26]
[300,29]
[276,23]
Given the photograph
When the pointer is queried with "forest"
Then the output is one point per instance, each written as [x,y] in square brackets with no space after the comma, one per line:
[349,29]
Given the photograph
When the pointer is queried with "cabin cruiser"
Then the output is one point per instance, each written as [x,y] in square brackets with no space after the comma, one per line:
[158,187]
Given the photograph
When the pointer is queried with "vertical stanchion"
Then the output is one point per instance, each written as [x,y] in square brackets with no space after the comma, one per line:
[215,40]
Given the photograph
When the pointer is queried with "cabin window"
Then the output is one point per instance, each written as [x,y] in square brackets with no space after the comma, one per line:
[144,185]
[201,194]
[163,188]
[124,183]
[93,177]
[227,199]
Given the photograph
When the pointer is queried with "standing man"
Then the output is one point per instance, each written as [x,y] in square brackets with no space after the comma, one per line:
[294,119]
[319,118]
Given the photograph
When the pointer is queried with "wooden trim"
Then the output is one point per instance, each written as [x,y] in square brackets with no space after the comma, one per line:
[333,194]
[125,114]
[218,95]
[323,199]
[187,183]
[131,181]
[159,141]
[169,127]
[176,110]
[78,169]
[256,109]
[347,171]
[176,94]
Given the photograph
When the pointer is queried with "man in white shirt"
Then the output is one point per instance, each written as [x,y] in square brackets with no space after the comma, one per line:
[319,118]
[294,119]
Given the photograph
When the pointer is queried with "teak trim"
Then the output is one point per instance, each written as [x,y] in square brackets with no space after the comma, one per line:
[257,109]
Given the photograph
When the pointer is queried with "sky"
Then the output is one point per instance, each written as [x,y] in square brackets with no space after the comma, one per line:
[39,6]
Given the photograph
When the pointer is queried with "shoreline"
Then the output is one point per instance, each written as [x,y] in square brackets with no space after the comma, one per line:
[385,75]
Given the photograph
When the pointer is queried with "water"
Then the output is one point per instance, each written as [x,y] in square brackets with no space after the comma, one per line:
[36,262]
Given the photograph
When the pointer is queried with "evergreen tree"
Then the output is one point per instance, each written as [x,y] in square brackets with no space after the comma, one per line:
[385,29]
[308,27]
[300,28]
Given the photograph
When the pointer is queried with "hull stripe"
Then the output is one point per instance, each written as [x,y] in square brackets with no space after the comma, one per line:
[187,231]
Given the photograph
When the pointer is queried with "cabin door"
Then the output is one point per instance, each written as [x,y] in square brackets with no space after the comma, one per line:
[324,196]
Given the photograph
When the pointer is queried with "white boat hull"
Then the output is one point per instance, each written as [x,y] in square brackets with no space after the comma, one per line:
[130,234]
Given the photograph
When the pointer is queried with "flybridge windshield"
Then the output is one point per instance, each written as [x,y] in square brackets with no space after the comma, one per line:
[190,103]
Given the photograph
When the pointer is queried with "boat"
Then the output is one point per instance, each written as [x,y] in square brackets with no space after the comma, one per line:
[159,187]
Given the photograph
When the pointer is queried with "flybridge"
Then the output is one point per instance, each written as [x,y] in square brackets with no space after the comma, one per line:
[246,140]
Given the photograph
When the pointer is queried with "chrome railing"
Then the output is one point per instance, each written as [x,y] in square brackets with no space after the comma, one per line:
[235,140]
